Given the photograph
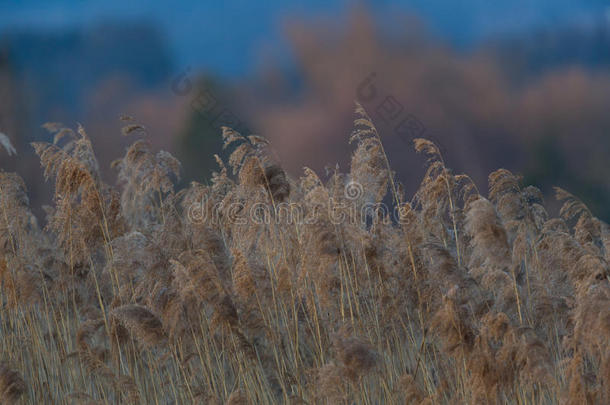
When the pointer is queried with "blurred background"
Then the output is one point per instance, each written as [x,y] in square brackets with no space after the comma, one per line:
[518,84]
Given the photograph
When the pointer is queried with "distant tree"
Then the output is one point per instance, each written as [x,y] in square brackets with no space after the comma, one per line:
[210,109]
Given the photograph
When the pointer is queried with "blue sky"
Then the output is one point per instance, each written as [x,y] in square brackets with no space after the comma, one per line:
[225,36]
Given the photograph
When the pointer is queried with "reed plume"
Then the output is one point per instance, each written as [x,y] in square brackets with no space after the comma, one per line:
[12,385]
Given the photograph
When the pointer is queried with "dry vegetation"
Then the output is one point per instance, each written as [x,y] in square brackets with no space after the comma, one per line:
[123,298]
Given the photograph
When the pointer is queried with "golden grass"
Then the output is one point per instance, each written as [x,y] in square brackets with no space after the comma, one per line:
[141,294]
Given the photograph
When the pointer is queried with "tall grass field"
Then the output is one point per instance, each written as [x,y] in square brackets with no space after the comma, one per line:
[331,288]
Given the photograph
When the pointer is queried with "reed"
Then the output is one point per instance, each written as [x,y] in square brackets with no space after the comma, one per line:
[142,293]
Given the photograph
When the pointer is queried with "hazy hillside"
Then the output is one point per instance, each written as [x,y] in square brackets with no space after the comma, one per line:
[56,70]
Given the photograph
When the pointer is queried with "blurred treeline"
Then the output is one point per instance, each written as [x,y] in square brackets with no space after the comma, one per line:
[535,103]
